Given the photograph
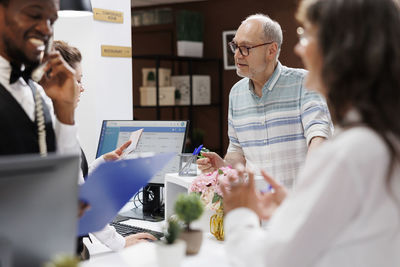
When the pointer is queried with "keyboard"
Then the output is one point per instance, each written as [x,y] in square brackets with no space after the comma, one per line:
[126,230]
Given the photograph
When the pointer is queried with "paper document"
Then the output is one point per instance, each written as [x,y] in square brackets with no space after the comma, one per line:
[135,136]
[109,187]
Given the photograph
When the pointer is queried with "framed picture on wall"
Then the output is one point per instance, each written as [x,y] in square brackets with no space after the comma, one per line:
[229,61]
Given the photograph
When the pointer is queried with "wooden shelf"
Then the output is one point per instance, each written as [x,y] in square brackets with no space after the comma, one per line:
[174,58]
[208,118]
[154,28]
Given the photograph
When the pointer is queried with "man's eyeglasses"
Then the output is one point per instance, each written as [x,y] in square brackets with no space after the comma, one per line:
[244,50]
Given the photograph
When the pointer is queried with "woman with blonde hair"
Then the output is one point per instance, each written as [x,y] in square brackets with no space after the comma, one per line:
[108,236]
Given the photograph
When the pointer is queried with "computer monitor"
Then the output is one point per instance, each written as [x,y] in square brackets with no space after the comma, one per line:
[38,207]
[157,137]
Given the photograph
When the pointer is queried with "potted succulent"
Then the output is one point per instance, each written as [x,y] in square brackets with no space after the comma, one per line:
[189,208]
[171,250]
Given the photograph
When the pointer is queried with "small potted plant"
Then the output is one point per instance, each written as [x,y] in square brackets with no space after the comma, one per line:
[171,250]
[189,208]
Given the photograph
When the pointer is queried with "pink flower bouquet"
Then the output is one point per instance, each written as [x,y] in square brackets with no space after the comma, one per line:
[208,186]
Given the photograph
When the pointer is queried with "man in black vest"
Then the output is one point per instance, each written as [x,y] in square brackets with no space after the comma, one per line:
[26,27]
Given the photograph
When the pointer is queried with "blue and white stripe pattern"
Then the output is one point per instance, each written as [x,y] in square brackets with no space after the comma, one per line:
[273,131]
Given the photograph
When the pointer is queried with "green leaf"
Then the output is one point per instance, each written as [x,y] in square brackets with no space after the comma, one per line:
[188,207]
[173,231]
[189,26]
[216,198]
[203,149]
[220,172]
[200,156]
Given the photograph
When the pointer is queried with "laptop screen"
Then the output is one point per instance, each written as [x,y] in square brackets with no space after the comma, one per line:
[157,137]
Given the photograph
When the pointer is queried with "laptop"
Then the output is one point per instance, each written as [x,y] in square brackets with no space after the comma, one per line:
[38,204]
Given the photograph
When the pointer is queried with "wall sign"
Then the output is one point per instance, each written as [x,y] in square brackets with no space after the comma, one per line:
[116,51]
[108,15]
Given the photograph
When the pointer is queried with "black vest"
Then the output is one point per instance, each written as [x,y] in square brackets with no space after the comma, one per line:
[84,165]
[18,133]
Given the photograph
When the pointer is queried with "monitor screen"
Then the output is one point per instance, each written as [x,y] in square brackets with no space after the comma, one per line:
[38,204]
[157,137]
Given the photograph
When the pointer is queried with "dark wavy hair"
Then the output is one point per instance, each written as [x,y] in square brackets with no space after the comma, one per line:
[360,45]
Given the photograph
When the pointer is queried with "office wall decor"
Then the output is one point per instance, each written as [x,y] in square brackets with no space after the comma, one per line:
[229,61]
[108,15]
[116,51]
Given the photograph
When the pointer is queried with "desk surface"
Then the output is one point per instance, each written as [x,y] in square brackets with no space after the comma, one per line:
[144,254]
[184,181]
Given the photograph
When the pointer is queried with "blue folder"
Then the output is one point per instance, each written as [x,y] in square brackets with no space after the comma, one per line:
[109,187]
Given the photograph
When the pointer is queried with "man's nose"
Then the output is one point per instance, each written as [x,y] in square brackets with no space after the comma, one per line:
[237,53]
[45,27]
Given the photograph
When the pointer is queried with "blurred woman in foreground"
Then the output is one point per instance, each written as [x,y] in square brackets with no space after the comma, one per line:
[346,208]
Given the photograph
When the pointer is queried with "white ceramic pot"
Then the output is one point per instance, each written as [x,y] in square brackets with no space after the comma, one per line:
[170,255]
[190,49]
[194,239]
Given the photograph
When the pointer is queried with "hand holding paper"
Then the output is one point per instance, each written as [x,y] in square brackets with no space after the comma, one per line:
[134,138]
[117,153]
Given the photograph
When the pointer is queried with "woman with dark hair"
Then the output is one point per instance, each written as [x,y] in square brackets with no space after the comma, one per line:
[346,208]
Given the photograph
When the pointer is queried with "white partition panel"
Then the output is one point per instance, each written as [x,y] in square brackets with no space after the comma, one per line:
[107,81]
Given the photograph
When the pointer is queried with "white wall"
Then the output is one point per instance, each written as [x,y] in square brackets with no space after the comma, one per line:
[107,81]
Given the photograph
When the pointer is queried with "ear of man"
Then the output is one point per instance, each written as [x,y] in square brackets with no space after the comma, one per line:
[272,50]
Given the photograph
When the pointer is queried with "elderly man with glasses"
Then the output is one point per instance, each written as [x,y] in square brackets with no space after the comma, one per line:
[273,121]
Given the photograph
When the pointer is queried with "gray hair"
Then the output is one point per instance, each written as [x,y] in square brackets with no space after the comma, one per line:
[272,29]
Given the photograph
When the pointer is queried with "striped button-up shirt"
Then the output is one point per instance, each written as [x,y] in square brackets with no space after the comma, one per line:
[272,132]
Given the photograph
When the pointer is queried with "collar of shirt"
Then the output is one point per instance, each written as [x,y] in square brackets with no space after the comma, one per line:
[5,72]
[20,90]
[269,85]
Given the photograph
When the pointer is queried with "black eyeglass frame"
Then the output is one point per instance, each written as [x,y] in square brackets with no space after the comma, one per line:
[233,46]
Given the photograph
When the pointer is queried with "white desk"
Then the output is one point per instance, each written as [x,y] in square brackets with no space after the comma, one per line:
[212,253]
[175,184]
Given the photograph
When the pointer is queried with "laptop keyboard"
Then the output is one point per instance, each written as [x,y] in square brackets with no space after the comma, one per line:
[126,230]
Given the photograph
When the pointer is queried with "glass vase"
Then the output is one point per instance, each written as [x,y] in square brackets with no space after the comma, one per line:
[217,224]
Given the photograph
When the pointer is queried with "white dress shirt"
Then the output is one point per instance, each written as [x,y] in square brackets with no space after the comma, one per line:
[341,214]
[66,135]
